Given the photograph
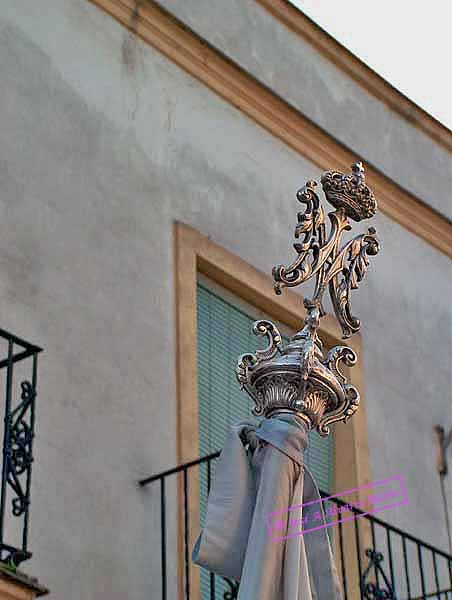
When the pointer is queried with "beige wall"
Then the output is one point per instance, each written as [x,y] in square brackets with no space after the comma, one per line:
[98,159]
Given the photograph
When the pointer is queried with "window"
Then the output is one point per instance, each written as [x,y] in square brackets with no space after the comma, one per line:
[233,281]
[225,332]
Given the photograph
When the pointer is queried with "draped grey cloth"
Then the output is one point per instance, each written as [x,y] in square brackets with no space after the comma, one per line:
[260,471]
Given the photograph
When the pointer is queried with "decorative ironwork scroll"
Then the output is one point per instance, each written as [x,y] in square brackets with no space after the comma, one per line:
[19,420]
[233,592]
[372,590]
[18,447]
[300,378]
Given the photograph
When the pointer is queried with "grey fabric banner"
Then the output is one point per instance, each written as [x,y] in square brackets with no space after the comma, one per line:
[261,471]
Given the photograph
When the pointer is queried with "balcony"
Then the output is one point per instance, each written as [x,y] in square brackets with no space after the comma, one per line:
[18,365]
[375,560]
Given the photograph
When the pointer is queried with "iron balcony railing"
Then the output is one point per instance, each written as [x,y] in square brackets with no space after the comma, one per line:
[18,373]
[375,559]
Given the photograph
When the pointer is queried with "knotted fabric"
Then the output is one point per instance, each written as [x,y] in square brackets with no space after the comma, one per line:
[261,471]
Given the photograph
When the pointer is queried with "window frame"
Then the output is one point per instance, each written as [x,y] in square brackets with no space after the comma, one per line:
[196,253]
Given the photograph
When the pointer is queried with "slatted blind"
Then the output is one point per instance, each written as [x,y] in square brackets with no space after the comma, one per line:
[225,332]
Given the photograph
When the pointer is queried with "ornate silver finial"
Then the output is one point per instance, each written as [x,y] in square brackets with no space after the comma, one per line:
[301,379]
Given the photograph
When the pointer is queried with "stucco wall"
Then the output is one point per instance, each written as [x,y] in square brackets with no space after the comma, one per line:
[99,156]
[290,66]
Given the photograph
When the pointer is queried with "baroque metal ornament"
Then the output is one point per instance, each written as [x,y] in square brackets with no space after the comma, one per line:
[301,378]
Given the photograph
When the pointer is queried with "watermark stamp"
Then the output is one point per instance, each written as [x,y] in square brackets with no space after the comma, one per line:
[345,506]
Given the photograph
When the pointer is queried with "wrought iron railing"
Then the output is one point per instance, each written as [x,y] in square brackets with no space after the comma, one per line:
[18,373]
[375,559]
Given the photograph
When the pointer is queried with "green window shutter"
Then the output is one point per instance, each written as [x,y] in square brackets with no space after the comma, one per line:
[319,458]
[225,332]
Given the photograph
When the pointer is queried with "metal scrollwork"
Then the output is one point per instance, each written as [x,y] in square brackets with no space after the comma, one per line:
[371,590]
[311,224]
[18,448]
[350,403]
[18,438]
[320,255]
[340,354]
[232,593]
[301,379]
[346,273]
[343,413]
[247,362]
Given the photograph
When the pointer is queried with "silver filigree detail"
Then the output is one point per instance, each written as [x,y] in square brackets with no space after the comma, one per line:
[249,361]
[339,354]
[301,379]
[349,405]
[277,392]
[319,255]
[315,404]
